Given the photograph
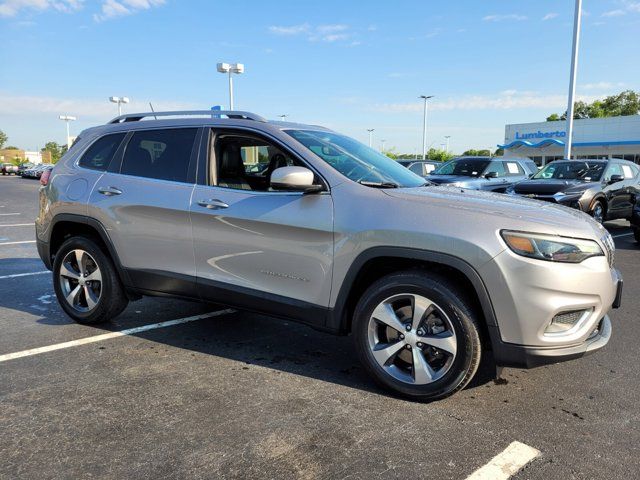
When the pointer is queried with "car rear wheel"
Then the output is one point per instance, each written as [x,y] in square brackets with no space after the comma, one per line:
[417,335]
[86,282]
[598,211]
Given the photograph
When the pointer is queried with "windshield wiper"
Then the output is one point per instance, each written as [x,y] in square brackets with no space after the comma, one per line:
[378,184]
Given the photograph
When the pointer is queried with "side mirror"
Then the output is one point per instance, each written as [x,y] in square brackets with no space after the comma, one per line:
[491,175]
[616,179]
[296,179]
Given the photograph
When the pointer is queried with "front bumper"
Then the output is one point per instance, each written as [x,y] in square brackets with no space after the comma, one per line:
[521,356]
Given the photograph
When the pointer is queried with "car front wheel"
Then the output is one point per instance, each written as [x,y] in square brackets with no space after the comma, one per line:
[417,335]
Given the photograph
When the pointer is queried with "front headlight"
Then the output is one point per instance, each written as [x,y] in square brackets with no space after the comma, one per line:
[550,247]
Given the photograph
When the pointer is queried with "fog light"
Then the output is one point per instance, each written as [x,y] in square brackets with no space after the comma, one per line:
[565,321]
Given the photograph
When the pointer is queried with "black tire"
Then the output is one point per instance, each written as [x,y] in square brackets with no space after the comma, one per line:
[460,314]
[112,300]
[598,204]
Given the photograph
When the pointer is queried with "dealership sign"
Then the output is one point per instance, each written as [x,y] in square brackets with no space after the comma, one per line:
[539,134]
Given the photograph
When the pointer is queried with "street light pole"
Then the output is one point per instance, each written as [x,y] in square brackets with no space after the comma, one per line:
[447,137]
[382,148]
[67,119]
[424,126]
[230,69]
[119,101]
[370,130]
[572,78]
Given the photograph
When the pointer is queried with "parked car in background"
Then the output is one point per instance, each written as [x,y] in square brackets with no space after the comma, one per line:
[9,169]
[24,166]
[337,236]
[605,189]
[420,167]
[494,174]
[36,171]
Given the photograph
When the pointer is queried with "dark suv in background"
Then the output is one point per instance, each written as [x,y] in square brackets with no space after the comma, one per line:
[606,189]
[494,174]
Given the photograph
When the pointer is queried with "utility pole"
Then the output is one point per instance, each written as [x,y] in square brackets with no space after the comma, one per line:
[370,130]
[424,126]
[572,78]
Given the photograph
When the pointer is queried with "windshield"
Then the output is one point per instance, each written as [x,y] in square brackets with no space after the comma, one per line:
[355,160]
[573,170]
[463,166]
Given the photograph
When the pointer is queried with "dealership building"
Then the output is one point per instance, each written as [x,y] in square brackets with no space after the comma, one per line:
[543,142]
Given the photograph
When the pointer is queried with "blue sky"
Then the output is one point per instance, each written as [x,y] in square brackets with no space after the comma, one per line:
[349,65]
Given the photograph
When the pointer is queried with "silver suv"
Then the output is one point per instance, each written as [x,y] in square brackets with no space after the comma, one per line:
[303,223]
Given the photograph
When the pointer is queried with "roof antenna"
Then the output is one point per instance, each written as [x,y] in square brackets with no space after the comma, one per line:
[153,110]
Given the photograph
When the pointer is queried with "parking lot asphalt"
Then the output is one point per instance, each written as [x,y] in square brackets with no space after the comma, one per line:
[240,395]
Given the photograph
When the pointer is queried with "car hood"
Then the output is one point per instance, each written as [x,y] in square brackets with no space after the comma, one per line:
[550,186]
[443,179]
[501,211]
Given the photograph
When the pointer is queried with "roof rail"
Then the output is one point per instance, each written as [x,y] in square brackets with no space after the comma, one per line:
[134,117]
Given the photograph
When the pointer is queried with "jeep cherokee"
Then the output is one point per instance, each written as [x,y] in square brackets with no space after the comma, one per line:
[304,223]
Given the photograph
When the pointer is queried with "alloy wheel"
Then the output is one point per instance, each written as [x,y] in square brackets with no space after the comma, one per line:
[412,339]
[598,213]
[80,280]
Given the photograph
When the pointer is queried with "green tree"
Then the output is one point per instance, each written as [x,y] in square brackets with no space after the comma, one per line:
[624,103]
[56,150]
[3,138]
[439,155]
[11,147]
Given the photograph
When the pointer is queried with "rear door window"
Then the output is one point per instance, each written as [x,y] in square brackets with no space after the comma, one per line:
[99,154]
[160,154]
[514,169]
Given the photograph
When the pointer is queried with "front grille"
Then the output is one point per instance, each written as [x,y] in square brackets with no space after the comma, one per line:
[609,247]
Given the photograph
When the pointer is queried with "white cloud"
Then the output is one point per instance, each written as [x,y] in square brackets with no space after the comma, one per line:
[506,100]
[10,8]
[330,33]
[290,30]
[501,18]
[601,86]
[118,8]
[614,13]
[25,105]
[549,16]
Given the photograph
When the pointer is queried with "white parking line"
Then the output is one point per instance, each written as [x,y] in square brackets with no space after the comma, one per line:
[17,243]
[622,235]
[17,224]
[506,463]
[16,275]
[110,335]
[7,214]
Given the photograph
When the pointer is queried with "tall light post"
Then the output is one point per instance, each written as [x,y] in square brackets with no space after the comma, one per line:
[230,69]
[577,16]
[447,137]
[424,126]
[119,101]
[370,130]
[382,143]
[67,119]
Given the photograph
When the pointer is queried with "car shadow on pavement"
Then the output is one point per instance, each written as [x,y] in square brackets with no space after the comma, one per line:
[282,346]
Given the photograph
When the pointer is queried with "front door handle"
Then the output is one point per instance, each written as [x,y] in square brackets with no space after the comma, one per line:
[109,191]
[213,204]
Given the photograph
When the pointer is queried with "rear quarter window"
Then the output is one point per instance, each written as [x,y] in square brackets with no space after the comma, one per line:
[99,154]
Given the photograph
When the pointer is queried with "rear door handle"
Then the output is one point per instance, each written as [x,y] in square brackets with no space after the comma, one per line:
[109,191]
[213,204]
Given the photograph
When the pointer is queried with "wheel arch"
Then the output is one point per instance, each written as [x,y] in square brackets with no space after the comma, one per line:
[377,262]
[64,226]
